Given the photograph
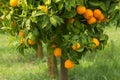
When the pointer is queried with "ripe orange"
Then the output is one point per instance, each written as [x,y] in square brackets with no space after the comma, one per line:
[97,13]
[92,20]
[101,18]
[69,64]
[96,41]
[81,9]
[43,8]
[71,20]
[31,42]
[22,40]
[13,3]
[57,52]
[88,14]
[21,33]
[74,47]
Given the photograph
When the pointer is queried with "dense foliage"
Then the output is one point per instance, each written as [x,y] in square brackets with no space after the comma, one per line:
[72,26]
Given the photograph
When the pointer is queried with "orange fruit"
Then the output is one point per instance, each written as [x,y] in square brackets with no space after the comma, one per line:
[69,64]
[92,20]
[57,52]
[13,3]
[31,42]
[81,9]
[43,8]
[21,33]
[96,41]
[74,47]
[101,18]
[22,40]
[97,13]
[71,20]
[88,14]
[78,45]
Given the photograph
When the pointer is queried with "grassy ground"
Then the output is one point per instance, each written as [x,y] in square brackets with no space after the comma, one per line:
[103,65]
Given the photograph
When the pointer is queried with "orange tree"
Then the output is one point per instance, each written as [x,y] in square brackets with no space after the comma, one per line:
[70,28]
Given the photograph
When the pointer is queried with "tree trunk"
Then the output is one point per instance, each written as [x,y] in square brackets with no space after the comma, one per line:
[39,53]
[52,66]
[64,71]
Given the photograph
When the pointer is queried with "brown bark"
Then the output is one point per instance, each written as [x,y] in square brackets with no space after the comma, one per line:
[39,53]
[52,66]
[64,71]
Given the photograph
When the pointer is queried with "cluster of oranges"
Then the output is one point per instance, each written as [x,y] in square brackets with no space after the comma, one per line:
[22,35]
[58,53]
[14,3]
[91,16]
[68,63]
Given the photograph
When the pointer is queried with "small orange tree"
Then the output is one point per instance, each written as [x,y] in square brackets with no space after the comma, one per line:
[69,27]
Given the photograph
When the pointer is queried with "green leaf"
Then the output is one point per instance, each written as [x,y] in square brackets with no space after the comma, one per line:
[95,3]
[53,21]
[103,7]
[56,20]
[60,6]
[80,50]
[28,24]
[38,13]
[47,2]
[98,4]
[23,3]
[44,22]
[31,36]
[36,32]
[68,5]
[66,37]
[24,14]
[103,37]
[33,19]
[69,14]
[56,1]
[80,2]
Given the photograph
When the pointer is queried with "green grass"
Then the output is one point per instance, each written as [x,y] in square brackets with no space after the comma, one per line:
[101,65]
